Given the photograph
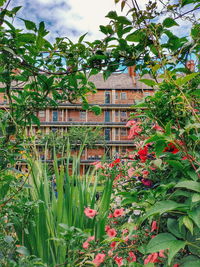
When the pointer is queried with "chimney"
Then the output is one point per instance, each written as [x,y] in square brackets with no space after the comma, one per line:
[131,71]
[190,65]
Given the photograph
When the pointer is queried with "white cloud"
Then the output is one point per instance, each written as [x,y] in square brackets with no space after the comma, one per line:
[72,18]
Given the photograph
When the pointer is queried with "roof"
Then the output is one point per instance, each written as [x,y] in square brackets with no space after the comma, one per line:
[119,81]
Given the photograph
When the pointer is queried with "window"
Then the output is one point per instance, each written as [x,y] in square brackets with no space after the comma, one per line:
[123,149]
[123,131]
[54,129]
[123,96]
[117,113]
[123,114]
[55,115]
[107,116]
[107,97]
[41,113]
[107,134]
[82,114]
[117,131]
[116,95]
[146,94]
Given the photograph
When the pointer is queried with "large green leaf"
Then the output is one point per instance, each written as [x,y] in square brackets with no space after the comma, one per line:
[148,82]
[195,215]
[183,80]
[162,207]
[30,25]
[165,241]
[191,185]
[169,22]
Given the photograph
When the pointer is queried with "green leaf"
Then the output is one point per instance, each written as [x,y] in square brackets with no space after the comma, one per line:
[174,248]
[176,164]
[23,250]
[188,223]
[124,20]
[148,82]
[183,80]
[112,15]
[169,22]
[191,185]
[174,228]
[190,261]
[82,37]
[195,216]
[26,38]
[186,2]
[2,2]
[157,163]
[159,242]
[165,241]
[30,25]
[96,109]
[136,36]
[162,207]
[195,197]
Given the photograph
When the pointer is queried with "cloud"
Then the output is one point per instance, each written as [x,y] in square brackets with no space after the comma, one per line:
[72,18]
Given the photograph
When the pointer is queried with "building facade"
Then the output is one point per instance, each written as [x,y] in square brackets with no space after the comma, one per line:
[116,96]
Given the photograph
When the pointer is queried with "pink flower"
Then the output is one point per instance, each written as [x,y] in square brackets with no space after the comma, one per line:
[125,231]
[130,123]
[145,173]
[85,245]
[135,130]
[97,165]
[99,258]
[110,215]
[176,265]
[107,227]
[158,128]
[118,212]
[111,232]
[119,261]
[153,258]
[161,254]
[90,238]
[131,172]
[90,212]
[132,257]
[154,226]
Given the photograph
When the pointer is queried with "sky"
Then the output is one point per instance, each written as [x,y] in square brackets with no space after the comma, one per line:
[73,18]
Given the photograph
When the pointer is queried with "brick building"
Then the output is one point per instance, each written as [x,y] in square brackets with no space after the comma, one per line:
[116,96]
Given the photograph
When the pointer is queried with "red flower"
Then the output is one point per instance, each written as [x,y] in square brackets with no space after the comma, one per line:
[99,258]
[90,212]
[119,261]
[176,265]
[147,182]
[132,257]
[154,226]
[143,154]
[113,244]
[171,148]
[111,232]
[118,212]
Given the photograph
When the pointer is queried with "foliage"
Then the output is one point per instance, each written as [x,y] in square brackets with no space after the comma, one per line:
[155,190]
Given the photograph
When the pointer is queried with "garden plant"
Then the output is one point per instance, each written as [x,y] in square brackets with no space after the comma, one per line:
[148,212]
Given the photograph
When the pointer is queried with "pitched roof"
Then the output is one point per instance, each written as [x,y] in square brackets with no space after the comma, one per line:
[119,81]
